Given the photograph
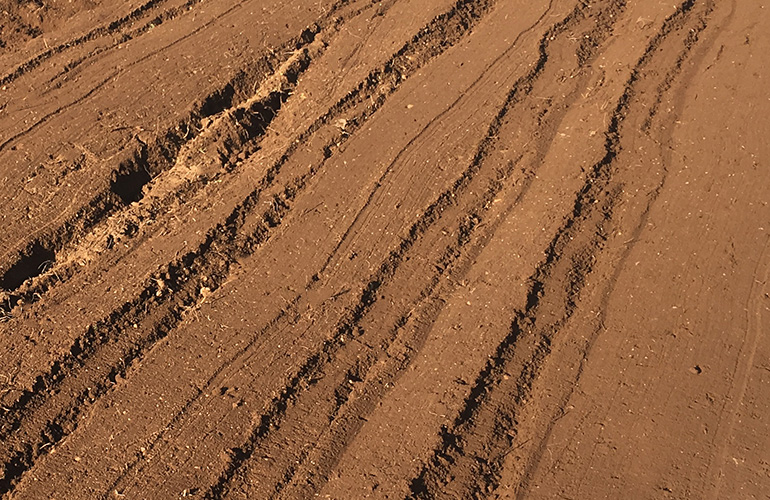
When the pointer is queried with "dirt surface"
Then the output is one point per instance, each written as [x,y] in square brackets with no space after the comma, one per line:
[384,249]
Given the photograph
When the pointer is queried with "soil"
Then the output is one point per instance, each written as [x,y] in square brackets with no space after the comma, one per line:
[384,249]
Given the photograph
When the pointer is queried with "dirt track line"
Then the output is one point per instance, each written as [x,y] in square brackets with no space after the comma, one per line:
[159,156]
[133,311]
[94,34]
[430,124]
[62,234]
[165,148]
[464,235]
[487,393]
[80,355]
[162,17]
[150,160]
[341,424]
[219,235]
[240,453]
[429,481]
[82,349]
[283,203]
[675,22]
[110,205]
[360,370]
[324,460]
[366,382]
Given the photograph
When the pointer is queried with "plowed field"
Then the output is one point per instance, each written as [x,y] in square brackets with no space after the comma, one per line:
[384,249]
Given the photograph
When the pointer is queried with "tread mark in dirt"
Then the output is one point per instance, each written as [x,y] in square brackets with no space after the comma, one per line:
[98,335]
[483,396]
[133,311]
[676,21]
[96,33]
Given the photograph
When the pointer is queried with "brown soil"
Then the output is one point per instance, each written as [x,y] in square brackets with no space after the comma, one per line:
[385,249]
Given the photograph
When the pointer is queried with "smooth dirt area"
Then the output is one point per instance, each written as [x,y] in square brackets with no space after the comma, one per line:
[504,249]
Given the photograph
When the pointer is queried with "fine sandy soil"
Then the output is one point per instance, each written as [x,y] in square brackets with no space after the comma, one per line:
[384,249]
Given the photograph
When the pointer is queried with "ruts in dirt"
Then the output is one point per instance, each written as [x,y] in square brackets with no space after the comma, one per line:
[392,249]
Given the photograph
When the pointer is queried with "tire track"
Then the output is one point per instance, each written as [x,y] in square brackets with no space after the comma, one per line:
[496,395]
[687,17]
[100,32]
[369,294]
[245,125]
[183,292]
[136,172]
[147,160]
[183,277]
[144,166]
[152,159]
[362,381]
[365,381]
[496,123]
[332,351]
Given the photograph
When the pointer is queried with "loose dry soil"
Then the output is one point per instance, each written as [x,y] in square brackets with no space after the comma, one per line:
[384,249]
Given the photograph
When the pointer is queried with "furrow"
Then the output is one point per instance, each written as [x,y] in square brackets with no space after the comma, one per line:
[334,348]
[242,122]
[504,384]
[162,306]
[143,161]
[231,111]
[364,382]
[185,273]
[694,29]
[310,469]
[102,31]
[283,200]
